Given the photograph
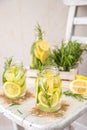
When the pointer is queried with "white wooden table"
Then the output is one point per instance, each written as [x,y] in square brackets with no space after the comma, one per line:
[33,122]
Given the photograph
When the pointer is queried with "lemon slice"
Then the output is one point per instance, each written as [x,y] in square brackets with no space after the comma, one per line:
[38,49]
[43,45]
[36,54]
[48,73]
[79,86]
[44,56]
[57,81]
[55,99]
[43,100]
[9,76]
[50,85]
[81,77]
[12,90]
[42,50]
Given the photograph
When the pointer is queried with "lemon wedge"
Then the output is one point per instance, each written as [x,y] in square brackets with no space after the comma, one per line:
[12,90]
[81,77]
[79,86]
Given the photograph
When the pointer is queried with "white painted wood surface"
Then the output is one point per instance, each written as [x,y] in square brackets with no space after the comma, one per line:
[74,20]
[32,122]
[69,27]
[64,74]
[80,21]
[14,125]
[75,2]
[70,36]
[69,76]
[79,126]
[80,39]
[5,124]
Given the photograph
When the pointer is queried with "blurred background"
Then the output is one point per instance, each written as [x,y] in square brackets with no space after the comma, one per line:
[18,19]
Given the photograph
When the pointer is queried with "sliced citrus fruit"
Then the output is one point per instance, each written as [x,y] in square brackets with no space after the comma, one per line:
[43,45]
[36,54]
[48,73]
[38,49]
[23,89]
[57,81]
[9,76]
[81,77]
[12,90]
[50,85]
[20,81]
[55,99]
[44,56]
[79,86]
[44,101]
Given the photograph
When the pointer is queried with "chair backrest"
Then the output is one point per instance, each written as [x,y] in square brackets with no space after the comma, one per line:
[73,20]
[75,2]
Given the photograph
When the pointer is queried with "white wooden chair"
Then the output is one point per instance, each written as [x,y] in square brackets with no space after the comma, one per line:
[72,21]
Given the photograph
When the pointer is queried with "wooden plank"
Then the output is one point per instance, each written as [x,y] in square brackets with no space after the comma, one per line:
[15,127]
[34,122]
[80,39]
[75,2]
[78,125]
[76,109]
[68,75]
[80,20]
[5,124]
[69,28]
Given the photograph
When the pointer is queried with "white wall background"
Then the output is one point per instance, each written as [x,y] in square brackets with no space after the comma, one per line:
[18,19]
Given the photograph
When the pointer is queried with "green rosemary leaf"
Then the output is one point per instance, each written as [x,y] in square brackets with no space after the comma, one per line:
[19,111]
[14,103]
[59,114]
[68,55]
[8,63]
[74,95]
[39,32]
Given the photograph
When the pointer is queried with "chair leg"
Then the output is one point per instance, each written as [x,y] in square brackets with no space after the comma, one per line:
[69,28]
[70,127]
[15,127]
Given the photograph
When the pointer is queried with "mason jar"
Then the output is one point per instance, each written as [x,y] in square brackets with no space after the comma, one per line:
[48,89]
[14,81]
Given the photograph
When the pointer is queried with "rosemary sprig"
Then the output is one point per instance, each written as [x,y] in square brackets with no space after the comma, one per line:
[14,103]
[74,95]
[6,66]
[68,55]
[39,32]
[59,114]
[19,111]
[8,63]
